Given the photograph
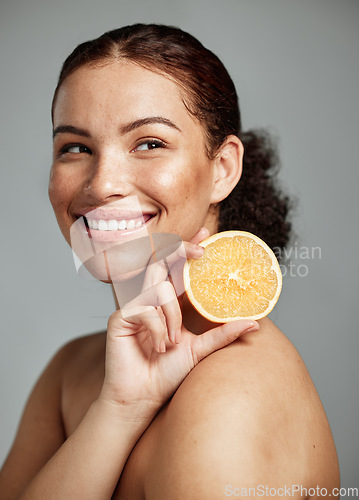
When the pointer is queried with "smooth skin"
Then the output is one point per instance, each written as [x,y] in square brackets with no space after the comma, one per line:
[163,405]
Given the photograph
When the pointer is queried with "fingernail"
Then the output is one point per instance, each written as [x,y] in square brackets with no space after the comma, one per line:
[252,327]
[162,346]
[203,230]
[199,250]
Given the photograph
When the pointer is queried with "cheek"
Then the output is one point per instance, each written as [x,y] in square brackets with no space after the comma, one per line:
[59,188]
[60,196]
[163,185]
[53,188]
[180,181]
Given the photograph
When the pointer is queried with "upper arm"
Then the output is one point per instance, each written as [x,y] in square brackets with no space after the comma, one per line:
[239,420]
[215,442]
[40,431]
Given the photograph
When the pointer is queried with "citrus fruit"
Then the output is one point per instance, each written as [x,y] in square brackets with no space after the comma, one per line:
[237,277]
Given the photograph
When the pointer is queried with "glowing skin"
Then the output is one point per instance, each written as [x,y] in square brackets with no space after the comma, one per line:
[134,141]
[108,392]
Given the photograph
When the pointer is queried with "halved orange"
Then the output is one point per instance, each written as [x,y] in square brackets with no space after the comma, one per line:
[238,277]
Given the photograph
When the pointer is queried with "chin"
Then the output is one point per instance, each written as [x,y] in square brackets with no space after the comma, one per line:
[117,262]
[110,267]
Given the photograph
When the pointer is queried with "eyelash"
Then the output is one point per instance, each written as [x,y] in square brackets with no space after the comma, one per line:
[155,142]
[158,143]
[65,149]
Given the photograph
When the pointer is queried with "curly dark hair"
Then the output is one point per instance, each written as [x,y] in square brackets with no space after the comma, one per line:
[256,204]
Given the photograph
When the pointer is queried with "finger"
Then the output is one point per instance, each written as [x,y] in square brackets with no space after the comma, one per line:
[201,235]
[164,295]
[158,266]
[173,317]
[219,337]
[151,319]
[160,295]
[147,317]
[171,268]
[188,250]
[156,272]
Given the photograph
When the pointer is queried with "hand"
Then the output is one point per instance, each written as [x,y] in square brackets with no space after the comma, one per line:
[149,352]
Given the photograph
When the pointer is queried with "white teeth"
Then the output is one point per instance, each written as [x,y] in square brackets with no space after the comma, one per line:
[102,225]
[113,224]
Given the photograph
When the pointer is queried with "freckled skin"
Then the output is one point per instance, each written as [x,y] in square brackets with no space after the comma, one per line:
[250,408]
[175,182]
[178,184]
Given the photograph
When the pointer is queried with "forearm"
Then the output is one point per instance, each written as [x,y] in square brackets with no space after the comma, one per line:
[88,465]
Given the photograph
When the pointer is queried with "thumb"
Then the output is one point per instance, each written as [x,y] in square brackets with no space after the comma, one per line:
[221,336]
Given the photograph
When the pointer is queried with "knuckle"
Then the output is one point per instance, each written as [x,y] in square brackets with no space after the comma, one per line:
[165,292]
[148,311]
[135,312]
[179,256]
[158,268]
[156,273]
[165,287]
[115,316]
[115,320]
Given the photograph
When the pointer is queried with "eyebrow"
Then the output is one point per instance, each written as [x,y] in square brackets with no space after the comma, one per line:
[125,129]
[69,129]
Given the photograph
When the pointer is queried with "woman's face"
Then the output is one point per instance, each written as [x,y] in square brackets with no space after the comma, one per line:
[126,150]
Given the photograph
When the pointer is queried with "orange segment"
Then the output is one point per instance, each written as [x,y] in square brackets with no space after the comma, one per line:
[238,277]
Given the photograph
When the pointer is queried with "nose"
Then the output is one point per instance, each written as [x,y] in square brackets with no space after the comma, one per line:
[108,178]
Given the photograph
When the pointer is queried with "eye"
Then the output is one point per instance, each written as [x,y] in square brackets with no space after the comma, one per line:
[150,144]
[75,149]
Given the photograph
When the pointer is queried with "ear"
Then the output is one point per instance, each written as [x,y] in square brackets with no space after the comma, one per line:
[227,168]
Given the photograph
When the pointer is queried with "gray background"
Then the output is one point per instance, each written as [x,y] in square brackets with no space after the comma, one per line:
[295,65]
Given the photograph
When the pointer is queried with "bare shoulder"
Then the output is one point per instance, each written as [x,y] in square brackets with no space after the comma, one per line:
[82,377]
[248,413]
[77,356]
[41,430]
[83,352]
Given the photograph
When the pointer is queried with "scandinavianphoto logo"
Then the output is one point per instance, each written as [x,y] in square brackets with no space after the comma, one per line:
[295,260]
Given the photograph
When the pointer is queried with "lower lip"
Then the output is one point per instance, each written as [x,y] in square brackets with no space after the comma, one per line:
[118,235]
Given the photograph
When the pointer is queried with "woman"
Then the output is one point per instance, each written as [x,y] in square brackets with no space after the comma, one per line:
[164,405]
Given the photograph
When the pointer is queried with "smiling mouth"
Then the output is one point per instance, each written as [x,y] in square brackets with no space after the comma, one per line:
[117,225]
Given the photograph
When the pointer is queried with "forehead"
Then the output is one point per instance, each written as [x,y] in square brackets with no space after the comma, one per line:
[119,89]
